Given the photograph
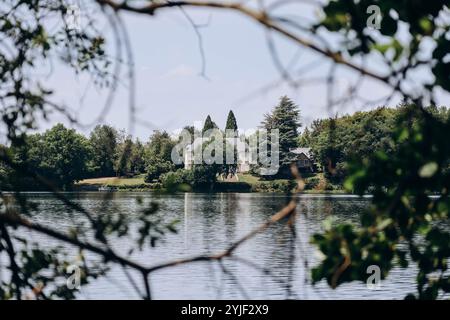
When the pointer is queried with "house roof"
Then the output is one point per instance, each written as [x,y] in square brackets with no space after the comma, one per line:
[305,151]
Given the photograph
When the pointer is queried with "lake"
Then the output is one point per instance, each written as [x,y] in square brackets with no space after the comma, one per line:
[209,223]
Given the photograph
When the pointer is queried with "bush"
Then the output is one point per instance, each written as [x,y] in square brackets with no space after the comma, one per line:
[282,186]
[338,175]
[201,176]
[177,180]
[204,175]
[312,183]
[156,169]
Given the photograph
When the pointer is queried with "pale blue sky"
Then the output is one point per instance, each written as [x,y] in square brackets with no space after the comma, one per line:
[171,93]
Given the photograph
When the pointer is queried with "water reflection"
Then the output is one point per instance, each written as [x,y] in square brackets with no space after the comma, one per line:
[209,223]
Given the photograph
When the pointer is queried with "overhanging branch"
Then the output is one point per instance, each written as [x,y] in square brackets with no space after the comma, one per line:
[259,16]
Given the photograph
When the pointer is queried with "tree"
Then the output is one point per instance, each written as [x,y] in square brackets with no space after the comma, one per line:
[60,155]
[123,157]
[192,132]
[402,208]
[404,224]
[158,167]
[231,122]
[103,141]
[137,161]
[209,125]
[159,146]
[231,126]
[158,155]
[286,118]
[65,155]
[337,140]
[304,140]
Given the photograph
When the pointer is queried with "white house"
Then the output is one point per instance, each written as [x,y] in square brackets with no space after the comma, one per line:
[302,156]
[244,157]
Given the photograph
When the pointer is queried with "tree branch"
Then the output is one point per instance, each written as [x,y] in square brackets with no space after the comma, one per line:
[259,16]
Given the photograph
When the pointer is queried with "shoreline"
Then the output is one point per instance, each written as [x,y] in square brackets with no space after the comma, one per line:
[122,189]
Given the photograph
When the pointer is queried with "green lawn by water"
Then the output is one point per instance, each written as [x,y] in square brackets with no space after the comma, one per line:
[138,182]
[113,181]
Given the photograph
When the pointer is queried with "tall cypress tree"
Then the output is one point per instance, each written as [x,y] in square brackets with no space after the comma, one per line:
[231,121]
[231,168]
[209,124]
[209,171]
[286,118]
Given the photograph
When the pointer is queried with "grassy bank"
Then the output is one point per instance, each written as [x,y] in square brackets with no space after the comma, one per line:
[315,184]
[135,183]
[113,181]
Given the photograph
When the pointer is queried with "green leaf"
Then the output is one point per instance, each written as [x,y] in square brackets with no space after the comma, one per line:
[428,170]
[383,224]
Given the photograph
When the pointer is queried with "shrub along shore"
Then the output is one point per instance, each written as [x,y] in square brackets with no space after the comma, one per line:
[315,183]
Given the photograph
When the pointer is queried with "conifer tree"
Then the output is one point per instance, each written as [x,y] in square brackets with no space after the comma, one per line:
[209,124]
[231,121]
[231,168]
[286,118]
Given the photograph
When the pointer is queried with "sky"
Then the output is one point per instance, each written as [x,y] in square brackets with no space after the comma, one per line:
[240,75]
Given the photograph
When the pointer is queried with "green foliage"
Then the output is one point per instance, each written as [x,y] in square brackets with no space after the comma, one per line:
[286,118]
[158,155]
[180,180]
[336,140]
[209,124]
[279,186]
[349,19]
[404,222]
[122,166]
[137,159]
[157,168]
[48,269]
[199,177]
[31,39]
[311,183]
[231,122]
[103,141]
[230,168]
[60,154]
[153,226]
[204,175]
[159,147]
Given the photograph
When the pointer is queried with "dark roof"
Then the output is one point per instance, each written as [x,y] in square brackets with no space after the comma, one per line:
[305,151]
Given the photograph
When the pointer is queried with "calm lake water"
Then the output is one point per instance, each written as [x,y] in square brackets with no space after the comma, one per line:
[208,223]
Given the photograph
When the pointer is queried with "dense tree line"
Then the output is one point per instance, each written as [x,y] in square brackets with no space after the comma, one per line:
[60,155]
[336,141]
[403,221]
[63,156]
